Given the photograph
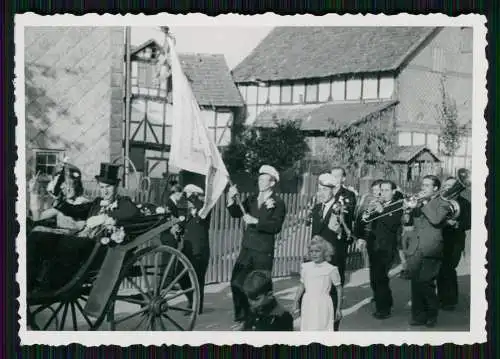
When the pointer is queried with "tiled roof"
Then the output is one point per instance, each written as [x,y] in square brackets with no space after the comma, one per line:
[209,76]
[407,153]
[320,118]
[314,52]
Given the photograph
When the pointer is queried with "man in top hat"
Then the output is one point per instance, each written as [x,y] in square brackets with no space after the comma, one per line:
[70,252]
[263,215]
[196,240]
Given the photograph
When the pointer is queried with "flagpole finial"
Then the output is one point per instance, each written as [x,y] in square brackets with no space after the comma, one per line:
[165,29]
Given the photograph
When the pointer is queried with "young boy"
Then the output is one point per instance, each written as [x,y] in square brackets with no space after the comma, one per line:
[266,313]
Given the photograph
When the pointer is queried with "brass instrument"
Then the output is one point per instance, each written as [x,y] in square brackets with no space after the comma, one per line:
[448,195]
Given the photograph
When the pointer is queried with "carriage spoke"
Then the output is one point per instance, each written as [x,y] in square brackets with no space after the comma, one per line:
[144,295]
[54,315]
[162,325]
[178,294]
[142,310]
[173,322]
[80,308]
[63,319]
[145,275]
[73,316]
[156,273]
[128,299]
[180,309]
[167,270]
[171,284]
[144,317]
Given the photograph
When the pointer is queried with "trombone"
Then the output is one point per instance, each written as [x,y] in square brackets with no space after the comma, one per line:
[446,194]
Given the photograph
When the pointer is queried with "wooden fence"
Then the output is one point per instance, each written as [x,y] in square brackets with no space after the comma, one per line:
[226,234]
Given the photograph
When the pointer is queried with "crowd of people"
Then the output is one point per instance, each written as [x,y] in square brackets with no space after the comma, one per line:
[426,232]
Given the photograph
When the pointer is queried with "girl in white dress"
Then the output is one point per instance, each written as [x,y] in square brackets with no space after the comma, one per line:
[316,279]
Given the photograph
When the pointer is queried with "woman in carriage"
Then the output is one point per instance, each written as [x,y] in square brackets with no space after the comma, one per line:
[65,251]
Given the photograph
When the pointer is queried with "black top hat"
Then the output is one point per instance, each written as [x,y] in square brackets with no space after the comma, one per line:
[109,174]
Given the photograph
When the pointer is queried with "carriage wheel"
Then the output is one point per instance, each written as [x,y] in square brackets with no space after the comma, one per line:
[153,290]
[65,314]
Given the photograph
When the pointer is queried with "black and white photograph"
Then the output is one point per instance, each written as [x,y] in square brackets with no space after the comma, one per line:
[294,175]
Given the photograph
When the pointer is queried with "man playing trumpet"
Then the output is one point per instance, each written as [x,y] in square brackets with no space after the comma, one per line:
[381,244]
[429,213]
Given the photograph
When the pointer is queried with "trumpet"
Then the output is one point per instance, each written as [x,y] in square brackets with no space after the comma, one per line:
[446,194]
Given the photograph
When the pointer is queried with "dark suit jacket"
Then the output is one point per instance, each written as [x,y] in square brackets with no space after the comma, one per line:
[385,230]
[428,222]
[320,225]
[261,236]
[275,319]
[196,235]
[124,210]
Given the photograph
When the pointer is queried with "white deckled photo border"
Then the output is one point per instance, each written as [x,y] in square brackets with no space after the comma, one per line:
[479,233]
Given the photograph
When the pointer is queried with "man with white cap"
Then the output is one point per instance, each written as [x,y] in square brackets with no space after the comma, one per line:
[196,240]
[263,215]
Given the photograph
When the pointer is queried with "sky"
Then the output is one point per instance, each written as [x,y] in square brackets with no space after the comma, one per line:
[234,42]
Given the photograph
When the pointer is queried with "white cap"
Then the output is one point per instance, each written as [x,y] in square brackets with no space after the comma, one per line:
[271,171]
[326,180]
[191,189]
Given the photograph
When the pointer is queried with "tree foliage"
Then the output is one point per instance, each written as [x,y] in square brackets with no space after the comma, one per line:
[281,146]
[354,146]
[447,118]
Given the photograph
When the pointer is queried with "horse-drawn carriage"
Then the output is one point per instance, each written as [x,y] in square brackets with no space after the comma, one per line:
[138,284]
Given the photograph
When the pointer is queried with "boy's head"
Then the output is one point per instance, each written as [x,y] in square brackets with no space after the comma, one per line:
[258,288]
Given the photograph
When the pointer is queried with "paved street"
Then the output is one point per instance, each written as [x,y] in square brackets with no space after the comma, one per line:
[357,306]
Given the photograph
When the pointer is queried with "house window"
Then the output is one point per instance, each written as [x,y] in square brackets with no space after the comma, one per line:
[286,93]
[312,92]
[222,128]
[243,92]
[404,139]
[438,59]
[418,139]
[324,91]
[353,89]
[274,94]
[338,89]
[263,96]
[386,86]
[46,161]
[299,89]
[252,95]
[370,87]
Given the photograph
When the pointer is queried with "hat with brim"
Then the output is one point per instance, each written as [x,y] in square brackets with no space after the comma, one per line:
[326,180]
[108,174]
[271,171]
[192,189]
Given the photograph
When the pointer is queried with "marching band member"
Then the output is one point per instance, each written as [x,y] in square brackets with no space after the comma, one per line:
[382,243]
[327,222]
[196,245]
[425,249]
[346,200]
[263,216]
[367,202]
[454,233]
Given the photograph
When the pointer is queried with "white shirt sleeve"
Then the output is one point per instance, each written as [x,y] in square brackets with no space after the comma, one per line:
[335,276]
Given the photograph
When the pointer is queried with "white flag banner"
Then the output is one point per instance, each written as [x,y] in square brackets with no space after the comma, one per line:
[192,148]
